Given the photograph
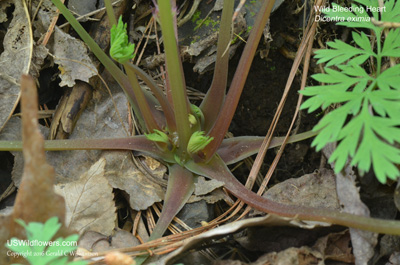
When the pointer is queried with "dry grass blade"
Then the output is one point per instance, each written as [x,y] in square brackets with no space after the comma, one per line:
[51,27]
[303,52]
[170,243]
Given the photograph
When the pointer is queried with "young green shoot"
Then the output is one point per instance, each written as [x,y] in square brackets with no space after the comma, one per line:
[120,49]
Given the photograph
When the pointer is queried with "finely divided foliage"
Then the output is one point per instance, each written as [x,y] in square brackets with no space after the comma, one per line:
[366,125]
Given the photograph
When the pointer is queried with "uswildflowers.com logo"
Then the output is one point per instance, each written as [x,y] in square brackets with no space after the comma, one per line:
[39,243]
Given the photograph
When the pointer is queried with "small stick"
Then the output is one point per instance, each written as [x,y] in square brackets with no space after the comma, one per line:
[51,27]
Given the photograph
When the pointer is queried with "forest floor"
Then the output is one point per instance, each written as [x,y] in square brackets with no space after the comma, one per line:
[133,187]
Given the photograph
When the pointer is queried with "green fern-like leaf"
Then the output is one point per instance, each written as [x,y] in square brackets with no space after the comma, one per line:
[339,90]
[385,103]
[391,46]
[392,13]
[340,53]
[369,149]
[366,124]
[389,79]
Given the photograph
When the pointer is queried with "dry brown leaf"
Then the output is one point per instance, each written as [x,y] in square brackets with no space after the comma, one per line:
[36,200]
[292,256]
[203,186]
[153,164]
[208,190]
[39,55]
[82,7]
[314,190]
[16,57]
[44,16]
[89,201]
[388,245]
[212,197]
[363,242]
[43,20]
[72,57]
[101,120]
[97,242]
[122,174]
[13,132]
[336,246]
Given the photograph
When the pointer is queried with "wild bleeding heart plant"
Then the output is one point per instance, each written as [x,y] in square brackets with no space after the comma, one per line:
[366,125]
[190,139]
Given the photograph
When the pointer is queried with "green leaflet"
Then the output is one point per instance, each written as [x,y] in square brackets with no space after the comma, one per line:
[197,142]
[341,52]
[121,50]
[366,124]
[44,250]
[157,136]
[392,11]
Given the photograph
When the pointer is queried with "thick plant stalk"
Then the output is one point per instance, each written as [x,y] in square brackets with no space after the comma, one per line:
[216,169]
[175,75]
[136,143]
[110,12]
[161,98]
[215,96]
[233,150]
[143,105]
[179,189]
[232,99]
